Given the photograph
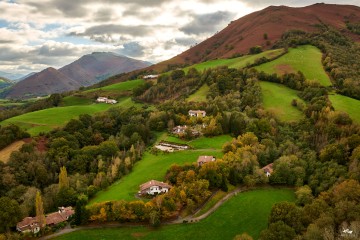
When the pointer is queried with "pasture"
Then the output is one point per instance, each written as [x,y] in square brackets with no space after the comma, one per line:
[239,62]
[121,86]
[346,104]
[155,166]
[277,99]
[306,59]
[199,95]
[245,212]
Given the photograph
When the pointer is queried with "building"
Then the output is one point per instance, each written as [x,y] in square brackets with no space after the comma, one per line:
[268,169]
[179,129]
[151,76]
[30,224]
[154,187]
[205,159]
[105,100]
[197,113]
[164,148]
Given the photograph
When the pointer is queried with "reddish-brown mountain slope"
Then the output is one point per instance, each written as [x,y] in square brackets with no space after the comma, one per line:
[240,35]
[93,68]
[45,82]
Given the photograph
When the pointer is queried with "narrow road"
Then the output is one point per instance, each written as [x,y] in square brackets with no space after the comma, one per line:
[189,219]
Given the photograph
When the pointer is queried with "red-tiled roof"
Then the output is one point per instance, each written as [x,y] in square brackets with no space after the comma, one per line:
[153,183]
[268,168]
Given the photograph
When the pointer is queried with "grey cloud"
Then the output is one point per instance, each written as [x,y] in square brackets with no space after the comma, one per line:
[54,52]
[115,29]
[132,49]
[103,15]
[207,23]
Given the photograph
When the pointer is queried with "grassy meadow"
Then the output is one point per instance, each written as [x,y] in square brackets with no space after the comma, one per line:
[277,99]
[306,59]
[239,62]
[155,166]
[245,212]
[121,86]
[200,94]
[346,104]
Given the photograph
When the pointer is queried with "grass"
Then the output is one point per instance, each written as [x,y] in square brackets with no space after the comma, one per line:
[239,62]
[306,59]
[215,199]
[346,104]
[76,101]
[277,99]
[6,152]
[199,95]
[122,86]
[245,212]
[155,166]
[48,119]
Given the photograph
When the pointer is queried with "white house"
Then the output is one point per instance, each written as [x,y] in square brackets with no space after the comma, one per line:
[205,159]
[197,113]
[268,169]
[154,187]
[151,76]
[105,100]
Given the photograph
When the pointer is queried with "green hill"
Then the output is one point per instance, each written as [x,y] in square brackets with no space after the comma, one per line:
[245,212]
[277,98]
[346,104]
[154,167]
[306,59]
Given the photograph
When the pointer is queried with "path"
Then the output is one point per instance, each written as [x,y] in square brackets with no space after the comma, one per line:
[191,218]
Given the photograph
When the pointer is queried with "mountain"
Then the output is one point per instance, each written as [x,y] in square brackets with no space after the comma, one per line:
[86,71]
[4,83]
[24,77]
[266,27]
[45,82]
[93,68]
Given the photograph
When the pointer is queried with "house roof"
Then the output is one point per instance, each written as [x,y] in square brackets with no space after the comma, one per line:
[197,111]
[152,183]
[26,223]
[268,168]
[61,216]
[205,159]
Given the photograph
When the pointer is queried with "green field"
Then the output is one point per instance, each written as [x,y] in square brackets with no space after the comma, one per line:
[48,119]
[155,166]
[199,95]
[121,86]
[239,62]
[76,101]
[306,59]
[277,99]
[245,212]
[346,104]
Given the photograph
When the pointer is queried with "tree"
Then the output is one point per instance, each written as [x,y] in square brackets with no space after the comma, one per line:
[278,231]
[154,218]
[243,236]
[9,214]
[63,178]
[81,213]
[303,195]
[40,217]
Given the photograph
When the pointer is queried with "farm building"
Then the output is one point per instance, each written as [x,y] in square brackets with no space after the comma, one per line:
[179,129]
[30,224]
[105,100]
[197,113]
[268,169]
[154,187]
[151,76]
[205,159]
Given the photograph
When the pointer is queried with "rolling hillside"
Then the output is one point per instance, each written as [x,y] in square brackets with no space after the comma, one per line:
[86,71]
[242,34]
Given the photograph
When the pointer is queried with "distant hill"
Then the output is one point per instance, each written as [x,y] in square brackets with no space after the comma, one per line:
[4,83]
[24,77]
[45,82]
[86,71]
[266,27]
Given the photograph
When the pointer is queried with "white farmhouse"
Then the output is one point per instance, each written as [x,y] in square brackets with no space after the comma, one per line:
[197,113]
[154,187]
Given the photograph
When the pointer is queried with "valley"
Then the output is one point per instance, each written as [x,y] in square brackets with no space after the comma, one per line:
[253,133]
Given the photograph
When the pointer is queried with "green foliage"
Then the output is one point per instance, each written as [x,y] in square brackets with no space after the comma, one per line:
[9,134]
[346,104]
[10,213]
[255,50]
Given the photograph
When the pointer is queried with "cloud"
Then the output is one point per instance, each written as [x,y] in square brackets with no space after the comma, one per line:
[132,49]
[207,23]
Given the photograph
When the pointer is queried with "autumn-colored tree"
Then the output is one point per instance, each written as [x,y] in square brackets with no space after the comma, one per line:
[63,178]
[40,217]
[243,236]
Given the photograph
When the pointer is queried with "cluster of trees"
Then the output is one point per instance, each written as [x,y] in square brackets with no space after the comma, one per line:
[9,134]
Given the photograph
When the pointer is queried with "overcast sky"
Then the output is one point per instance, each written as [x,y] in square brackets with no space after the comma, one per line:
[35,34]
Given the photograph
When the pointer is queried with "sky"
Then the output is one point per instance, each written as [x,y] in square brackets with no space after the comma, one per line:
[36,34]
